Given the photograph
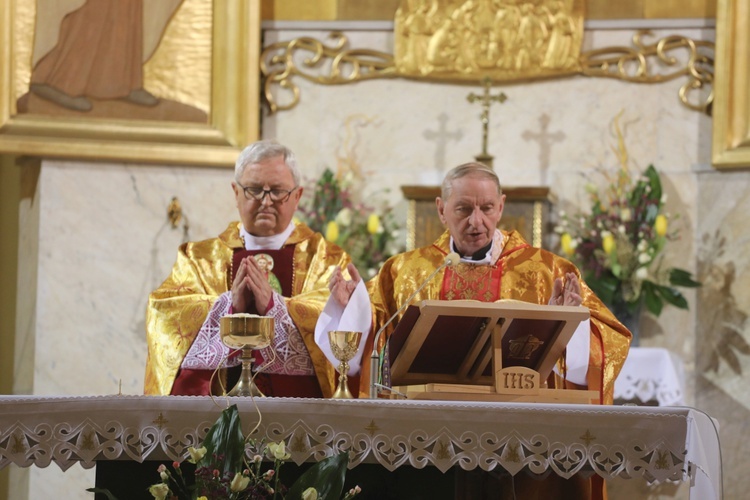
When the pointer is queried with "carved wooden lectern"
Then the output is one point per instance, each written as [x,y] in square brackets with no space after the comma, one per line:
[483,351]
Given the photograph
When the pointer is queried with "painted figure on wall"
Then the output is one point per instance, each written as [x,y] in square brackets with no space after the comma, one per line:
[87,52]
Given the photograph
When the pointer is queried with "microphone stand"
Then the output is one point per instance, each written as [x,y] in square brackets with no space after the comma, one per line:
[375,366]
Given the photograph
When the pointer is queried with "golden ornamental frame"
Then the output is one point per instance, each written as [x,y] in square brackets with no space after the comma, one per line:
[731,110]
[233,118]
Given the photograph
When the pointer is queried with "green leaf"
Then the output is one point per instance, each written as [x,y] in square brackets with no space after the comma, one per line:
[225,437]
[672,296]
[102,491]
[605,287]
[655,182]
[680,277]
[654,303]
[326,476]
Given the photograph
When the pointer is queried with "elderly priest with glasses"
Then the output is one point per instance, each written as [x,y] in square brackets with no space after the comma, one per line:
[265,264]
[492,265]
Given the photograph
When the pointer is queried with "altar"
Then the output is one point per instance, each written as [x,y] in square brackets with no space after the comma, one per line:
[654,444]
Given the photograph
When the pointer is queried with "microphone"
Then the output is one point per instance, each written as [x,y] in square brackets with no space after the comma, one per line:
[450,260]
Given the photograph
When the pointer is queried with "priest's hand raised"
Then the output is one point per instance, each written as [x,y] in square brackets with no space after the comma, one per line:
[341,288]
[567,293]
[251,284]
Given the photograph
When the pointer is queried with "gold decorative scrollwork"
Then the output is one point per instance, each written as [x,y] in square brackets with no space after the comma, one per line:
[335,64]
[631,64]
[280,61]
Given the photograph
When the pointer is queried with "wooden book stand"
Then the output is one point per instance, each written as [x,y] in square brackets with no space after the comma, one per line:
[467,350]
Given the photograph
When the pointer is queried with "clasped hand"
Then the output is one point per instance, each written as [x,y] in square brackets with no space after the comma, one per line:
[251,284]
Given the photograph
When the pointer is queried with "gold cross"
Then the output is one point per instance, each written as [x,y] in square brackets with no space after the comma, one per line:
[588,437]
[160,421]
[372,428]
[486,100]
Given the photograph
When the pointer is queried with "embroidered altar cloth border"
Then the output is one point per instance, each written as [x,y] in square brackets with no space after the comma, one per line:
[657,444]
[651,373]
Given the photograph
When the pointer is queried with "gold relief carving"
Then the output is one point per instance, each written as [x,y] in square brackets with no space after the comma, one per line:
[303,56]
[635,64]
[476,39]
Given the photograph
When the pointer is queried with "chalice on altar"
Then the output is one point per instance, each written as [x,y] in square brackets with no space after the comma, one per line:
[344,346]
[246,332]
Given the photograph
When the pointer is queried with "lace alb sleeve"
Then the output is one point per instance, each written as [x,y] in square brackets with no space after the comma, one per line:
[287,354]
[208,351]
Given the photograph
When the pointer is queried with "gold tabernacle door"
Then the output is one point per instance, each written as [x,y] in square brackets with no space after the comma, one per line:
[483,351]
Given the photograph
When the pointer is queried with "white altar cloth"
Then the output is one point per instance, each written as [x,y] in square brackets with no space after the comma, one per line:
[651,373]
[654,443]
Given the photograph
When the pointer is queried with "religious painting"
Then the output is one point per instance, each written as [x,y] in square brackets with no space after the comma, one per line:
[731,108]
[173,81]
[503,40]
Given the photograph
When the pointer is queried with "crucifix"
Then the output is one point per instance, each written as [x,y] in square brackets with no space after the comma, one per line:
[486,100]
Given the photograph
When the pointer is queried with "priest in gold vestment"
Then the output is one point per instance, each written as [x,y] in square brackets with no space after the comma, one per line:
[494,265]
[266,264]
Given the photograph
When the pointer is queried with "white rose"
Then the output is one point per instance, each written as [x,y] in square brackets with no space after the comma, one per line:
[344,217]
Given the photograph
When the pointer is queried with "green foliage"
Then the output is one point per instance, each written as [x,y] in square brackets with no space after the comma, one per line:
[369,235]
[619,244]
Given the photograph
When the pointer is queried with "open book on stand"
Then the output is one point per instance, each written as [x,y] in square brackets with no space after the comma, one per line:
[493,351]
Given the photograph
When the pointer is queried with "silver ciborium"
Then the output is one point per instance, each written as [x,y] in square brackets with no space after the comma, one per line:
[344,346]
[246,332]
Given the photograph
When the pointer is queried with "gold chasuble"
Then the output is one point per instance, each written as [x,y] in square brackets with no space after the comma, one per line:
[521,272]
[177,309]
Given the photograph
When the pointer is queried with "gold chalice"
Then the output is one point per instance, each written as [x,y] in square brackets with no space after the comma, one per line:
[344,346]
[246,332]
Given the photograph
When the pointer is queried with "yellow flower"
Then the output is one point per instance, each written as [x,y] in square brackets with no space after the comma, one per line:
[278,450]
[373,224]
[566,242]
[159,491]
[608,243]
[332,231]
[310,494]
[196,455]
[202,497]
[660,225]
[239,482]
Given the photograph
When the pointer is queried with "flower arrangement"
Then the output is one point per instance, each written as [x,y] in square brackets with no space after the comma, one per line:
[223,471]
[618,245]
[368,234]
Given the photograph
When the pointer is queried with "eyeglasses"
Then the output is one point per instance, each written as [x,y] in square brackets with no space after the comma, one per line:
[258,193]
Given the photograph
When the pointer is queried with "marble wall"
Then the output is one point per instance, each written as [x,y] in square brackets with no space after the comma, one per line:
[104,241]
